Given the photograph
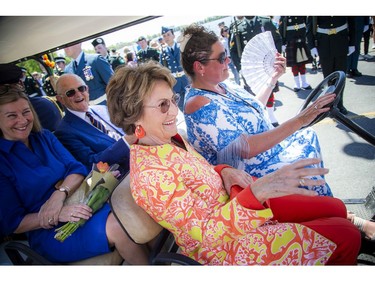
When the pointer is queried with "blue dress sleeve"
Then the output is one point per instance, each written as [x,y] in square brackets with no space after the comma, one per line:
[28,177]
[72,165]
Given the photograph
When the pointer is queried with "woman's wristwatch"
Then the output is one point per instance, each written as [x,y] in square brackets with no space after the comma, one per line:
[65,189]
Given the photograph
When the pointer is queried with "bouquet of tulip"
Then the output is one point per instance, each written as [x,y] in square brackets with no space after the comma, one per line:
[95,190]
[49,85]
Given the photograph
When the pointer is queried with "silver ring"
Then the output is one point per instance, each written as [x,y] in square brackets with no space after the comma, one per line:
[302,182]
[316,107]
[50,220]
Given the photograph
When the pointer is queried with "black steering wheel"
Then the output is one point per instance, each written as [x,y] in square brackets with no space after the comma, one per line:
[335,82]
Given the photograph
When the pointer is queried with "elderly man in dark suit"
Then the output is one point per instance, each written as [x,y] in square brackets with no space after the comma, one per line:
[92,68]
[170,57]
[86,131]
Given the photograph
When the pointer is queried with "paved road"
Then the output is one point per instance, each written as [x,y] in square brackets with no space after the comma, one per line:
[349,157]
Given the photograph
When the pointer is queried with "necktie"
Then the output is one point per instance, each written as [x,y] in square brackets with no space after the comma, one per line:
[172,51]
[96,123]
[75,66]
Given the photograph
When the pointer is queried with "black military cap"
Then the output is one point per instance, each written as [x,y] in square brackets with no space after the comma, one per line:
[10,73]
[140,38]
[165,29]
[97,41]
[59,59]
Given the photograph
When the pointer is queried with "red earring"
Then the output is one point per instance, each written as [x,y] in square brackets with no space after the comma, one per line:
[139,132]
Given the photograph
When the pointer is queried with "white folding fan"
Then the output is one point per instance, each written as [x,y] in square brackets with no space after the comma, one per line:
[257,60]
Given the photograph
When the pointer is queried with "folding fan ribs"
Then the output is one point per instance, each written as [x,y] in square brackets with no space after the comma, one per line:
[257,60]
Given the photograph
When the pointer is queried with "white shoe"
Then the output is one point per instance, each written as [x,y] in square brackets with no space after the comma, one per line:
[373,46]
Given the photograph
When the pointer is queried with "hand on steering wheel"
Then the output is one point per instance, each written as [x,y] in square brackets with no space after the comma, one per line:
[333,83]
[317,108]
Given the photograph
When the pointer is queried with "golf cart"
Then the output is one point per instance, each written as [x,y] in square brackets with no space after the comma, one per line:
[72,30]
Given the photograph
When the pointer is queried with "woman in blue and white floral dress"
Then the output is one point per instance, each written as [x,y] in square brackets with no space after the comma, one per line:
[228,125]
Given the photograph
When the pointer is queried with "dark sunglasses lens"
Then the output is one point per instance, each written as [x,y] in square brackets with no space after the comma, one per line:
[222,57]
[164,106]
[82,88]
[70,93]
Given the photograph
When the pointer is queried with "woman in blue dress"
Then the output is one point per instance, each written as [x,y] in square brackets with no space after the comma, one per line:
[33,161]
[227,125]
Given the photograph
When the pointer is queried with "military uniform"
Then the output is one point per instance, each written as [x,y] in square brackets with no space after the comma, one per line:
[147,54]
[47,87]
[115,61]
[331,36]
[239,35]
[242,30]
[96,71]
[32,87]
[293,32]
[171,58]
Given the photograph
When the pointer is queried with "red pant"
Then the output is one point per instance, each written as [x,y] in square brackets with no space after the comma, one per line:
[325,215]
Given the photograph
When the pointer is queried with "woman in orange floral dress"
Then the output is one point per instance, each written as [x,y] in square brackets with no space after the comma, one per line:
[262,224]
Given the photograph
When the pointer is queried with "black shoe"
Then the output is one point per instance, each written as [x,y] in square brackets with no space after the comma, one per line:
[349,74]
[356,73]
[275,124]
[296,89]
[307,88]
[343,110]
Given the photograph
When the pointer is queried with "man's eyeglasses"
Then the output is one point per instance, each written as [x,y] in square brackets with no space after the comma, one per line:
[166,103]
[221,59]
[70,93]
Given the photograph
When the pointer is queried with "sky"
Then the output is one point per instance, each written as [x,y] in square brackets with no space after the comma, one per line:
[148,28]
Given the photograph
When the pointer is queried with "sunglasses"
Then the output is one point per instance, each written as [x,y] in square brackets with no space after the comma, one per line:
[70,93]
[165,104]
[221,59]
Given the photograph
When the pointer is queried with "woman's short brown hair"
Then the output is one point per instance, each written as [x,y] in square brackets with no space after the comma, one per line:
[127,90]
[12,93]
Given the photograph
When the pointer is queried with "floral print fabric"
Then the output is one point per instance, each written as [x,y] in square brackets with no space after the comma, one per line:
[219,124]
[181,191]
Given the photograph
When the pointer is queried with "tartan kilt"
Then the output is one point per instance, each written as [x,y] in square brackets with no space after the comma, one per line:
[297,52]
